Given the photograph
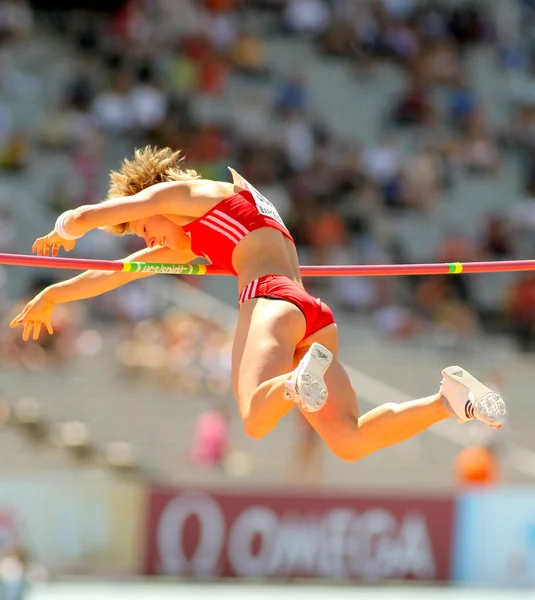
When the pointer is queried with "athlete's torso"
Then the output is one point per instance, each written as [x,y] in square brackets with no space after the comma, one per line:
[242,233]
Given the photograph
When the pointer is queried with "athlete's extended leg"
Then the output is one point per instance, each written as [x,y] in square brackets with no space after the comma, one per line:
[352,438]
[267,334]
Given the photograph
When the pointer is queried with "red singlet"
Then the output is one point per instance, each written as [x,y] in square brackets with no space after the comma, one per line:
[216,233]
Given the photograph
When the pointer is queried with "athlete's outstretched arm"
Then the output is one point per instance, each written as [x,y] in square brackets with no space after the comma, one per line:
[168,198]
[89,284]
[159,199]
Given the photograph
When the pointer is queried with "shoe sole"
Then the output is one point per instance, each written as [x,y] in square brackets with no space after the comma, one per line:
[319,360]
[487,403]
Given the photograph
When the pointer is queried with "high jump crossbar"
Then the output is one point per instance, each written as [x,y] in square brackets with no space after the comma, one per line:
[455,268]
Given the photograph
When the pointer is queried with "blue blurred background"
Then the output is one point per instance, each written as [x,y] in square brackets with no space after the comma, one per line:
[384,131]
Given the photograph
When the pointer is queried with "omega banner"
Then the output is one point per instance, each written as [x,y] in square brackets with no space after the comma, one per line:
[369,538]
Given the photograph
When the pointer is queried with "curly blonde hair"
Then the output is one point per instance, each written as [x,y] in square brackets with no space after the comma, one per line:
[148,166]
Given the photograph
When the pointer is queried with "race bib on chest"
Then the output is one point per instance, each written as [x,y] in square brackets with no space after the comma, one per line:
[263,205]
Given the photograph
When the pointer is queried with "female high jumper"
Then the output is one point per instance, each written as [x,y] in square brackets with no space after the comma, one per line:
[285,350]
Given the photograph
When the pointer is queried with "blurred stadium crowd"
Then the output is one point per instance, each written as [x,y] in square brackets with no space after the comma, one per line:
[198,75]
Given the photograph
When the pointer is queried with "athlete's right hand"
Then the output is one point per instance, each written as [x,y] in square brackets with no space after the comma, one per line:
[36,313]
[51,244]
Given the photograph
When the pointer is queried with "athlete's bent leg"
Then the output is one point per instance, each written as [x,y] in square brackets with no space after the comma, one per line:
[267,334]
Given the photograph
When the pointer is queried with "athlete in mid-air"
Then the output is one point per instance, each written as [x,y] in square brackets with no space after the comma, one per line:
[285,350]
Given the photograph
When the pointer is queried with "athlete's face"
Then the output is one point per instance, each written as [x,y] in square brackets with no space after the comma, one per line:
[157,231]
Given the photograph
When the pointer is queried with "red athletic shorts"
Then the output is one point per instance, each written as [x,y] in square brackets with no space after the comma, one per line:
[317,314]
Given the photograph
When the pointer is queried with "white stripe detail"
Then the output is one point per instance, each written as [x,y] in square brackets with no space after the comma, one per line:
[248,292]
[244,293]
[236,224]
[226,226]
[222,231]
[255,286]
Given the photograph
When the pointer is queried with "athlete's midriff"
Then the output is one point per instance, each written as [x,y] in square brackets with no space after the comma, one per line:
[265,252]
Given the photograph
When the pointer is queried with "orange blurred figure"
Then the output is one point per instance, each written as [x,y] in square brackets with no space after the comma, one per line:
[477,466]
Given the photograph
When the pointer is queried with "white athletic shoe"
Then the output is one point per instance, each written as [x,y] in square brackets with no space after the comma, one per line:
[470,399]
[306,385]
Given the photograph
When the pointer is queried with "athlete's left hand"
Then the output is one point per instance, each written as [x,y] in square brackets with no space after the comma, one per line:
[51,244]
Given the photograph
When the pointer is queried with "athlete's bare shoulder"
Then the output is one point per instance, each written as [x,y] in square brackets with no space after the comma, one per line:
[208,188]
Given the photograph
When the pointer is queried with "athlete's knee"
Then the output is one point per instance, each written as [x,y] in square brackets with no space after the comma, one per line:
[344,443]
[348,452]
[253,428]
[255,424]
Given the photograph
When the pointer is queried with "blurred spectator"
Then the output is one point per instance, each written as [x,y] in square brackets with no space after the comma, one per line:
[16,20]
[456,322]
[18,573]
[467,24]
[297,136]
[214,73]
[476,150]
[16,81]
[86,164]
[14,583]
[292,94]
[222,29]
[251,119]
[439,64]
[70,124]
[149,103]
[414,106]
[441,303]
[383,161]
[396,321]
[497,243]
[14,154]
[7,230]
[211,439]
[248,56]
[113,108]
[477,466]
[398,10]
[520,310]
[325,232]
[180,18]
[461,103]
[306,16]
[421,178]
[456,247]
